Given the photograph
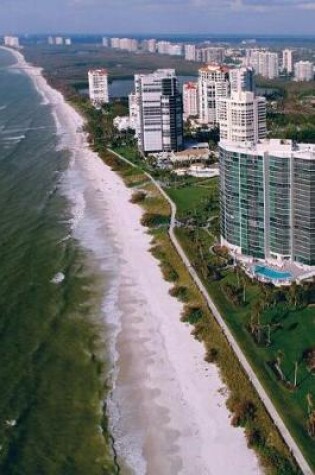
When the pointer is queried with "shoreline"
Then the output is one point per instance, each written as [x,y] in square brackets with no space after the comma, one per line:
[180,392]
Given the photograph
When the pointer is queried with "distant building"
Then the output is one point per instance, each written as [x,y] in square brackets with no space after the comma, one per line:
[59,40]
[267,200]
[213,84]
[98,86]
[160,111]
[12,41]
[264,63]
[242,117]
[128,44]
[287,61]
[175,49]
[68,42]
[152,45]
[210,54]
[163,47]
[149,45]
[134,119]
[51,40]
[190,99]
[115,43]
[242,79]
[105,42]
[303,71]
[190,52]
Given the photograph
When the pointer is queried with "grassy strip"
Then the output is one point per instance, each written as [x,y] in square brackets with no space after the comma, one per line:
[292,332]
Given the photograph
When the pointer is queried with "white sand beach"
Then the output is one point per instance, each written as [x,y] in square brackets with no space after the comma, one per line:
[167,408]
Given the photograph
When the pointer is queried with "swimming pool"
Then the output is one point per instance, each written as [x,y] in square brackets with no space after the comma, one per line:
[271,274]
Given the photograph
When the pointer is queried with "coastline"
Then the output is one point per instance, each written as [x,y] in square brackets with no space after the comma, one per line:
[181,419]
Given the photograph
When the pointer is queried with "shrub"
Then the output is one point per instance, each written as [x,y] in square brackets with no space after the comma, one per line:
[138,197]
[192,314]
[180,292]
[152,219]
[212,355]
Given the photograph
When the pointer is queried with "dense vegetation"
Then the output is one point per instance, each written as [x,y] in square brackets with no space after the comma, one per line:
[291,109]
[69,66]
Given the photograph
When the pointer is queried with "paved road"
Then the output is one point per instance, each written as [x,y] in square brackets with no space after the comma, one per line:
[293,447]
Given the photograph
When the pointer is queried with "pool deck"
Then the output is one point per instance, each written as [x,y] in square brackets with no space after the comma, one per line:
[297,273]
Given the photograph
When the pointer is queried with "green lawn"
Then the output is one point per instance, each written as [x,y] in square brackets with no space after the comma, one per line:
[194,197]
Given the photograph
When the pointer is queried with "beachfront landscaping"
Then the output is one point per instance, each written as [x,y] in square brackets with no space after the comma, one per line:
[274,337]
[243,401]
[274,327]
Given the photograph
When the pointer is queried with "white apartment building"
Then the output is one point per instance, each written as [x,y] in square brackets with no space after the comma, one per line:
[12,41]
[105,42]
[264,63]
[175,49]
[160,112]
[190,99]
[190,52]
[128,44]
[213,84]
[151,44]
[287,60]
[68,42]
[59,40]
[210,54]
[115,43]
[98,86]
[242,79]
[242,117]
[303,71]
[163,47]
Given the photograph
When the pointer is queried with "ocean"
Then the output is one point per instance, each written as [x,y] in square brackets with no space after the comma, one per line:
[52,343]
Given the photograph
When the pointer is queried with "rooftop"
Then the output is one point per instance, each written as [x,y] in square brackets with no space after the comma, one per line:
[276,147]
[98,71]
[214,67]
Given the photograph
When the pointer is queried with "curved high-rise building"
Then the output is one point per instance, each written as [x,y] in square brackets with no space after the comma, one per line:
[268,200]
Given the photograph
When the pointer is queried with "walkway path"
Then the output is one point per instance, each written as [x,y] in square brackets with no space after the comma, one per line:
[293,447]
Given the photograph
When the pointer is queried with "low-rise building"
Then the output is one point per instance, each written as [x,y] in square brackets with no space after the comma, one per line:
[12,41]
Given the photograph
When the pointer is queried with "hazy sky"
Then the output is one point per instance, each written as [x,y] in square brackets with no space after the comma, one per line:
[158,16]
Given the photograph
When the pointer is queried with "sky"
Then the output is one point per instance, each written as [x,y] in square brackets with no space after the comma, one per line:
[283,17]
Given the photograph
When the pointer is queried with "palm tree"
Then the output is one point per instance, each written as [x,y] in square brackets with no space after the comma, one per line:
[310,404]
[293,293]
[279,359]
[296,364]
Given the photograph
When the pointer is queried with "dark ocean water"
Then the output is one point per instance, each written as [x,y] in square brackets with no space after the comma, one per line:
[50,389]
